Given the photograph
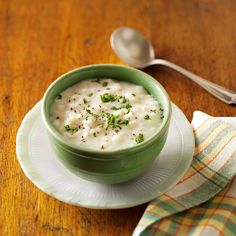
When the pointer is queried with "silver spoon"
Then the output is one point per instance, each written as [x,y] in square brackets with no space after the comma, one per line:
[134,49]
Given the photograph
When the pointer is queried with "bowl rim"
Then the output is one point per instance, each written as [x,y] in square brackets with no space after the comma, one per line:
[59,137]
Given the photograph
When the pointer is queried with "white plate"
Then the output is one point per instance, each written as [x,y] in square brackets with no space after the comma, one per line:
[43,168]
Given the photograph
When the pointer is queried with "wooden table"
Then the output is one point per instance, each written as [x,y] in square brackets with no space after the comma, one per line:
[42,39]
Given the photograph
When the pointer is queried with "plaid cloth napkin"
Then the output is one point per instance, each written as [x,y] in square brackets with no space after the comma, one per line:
[178,212]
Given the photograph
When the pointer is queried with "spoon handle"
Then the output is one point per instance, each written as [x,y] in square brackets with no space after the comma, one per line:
[226,95]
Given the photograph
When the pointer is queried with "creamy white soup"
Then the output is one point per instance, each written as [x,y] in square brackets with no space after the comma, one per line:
[106,114]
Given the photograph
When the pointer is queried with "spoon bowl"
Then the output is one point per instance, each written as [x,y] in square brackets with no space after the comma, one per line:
[132,47]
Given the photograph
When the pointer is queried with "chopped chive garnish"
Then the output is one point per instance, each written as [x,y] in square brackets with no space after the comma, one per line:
[121,99]
[104,84]
[147,117]
[102,126]
[90,94]
[92,114]
[116,126]
[139,138]
[70,129]
[107,98]
[127,106]
[94,134]
[111,118]
[134,94]
[116,108]
[84,100]
[123,122]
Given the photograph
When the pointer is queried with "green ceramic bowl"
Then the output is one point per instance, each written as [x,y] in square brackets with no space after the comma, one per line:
[100,165]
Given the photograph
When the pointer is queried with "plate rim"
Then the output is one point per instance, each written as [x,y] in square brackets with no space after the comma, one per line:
[24,160]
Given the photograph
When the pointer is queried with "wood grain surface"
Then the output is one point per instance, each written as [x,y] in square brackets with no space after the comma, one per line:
[40,40]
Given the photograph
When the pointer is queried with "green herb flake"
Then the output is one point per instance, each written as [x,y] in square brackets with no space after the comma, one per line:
[90,94]
[84,100]
[139,138]
[107,98]
[70,129]
[111,118]
[88,111]
[123,122]
[104,84]
[116,126]
[94,134]
[147,117]
[59,96]
[126,122]
[122,99]
[116,108]
[134,94]
[92,114]
[102,126]
[127,106]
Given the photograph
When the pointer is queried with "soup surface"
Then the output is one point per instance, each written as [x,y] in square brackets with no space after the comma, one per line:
[106,114]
